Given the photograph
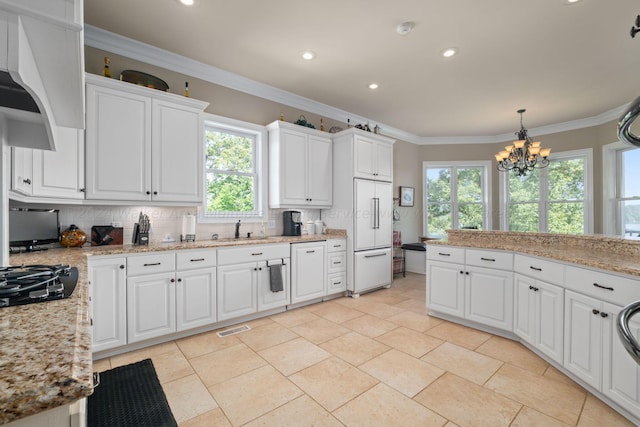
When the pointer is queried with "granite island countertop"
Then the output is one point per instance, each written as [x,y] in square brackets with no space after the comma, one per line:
[596,251]
[45,355]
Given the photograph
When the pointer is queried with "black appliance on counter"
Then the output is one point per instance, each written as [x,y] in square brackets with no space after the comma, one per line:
[36,283]
[292,223]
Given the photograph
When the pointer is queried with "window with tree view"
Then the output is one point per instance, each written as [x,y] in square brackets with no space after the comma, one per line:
[456,196]
[628,191]
[555,199]
[232,173]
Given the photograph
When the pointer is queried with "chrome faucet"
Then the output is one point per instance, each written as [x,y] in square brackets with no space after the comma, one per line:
[237,236]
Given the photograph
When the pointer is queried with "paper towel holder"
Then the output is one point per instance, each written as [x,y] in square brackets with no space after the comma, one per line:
[188,228]
[188,238]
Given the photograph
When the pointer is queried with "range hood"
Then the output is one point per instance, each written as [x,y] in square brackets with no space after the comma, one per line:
[41,70]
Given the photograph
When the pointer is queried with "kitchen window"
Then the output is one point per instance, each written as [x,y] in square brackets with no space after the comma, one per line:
[234,170]
[456,196]
[555,199]
[621,190]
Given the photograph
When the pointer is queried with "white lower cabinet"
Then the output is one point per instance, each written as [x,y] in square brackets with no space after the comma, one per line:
[195,298]
[308,271]
[336,266]
[244,279]
[237,290]
[539,315]
[489,297]
[620,374]
[372,269]
[151,306]
[445,288]
[108,294]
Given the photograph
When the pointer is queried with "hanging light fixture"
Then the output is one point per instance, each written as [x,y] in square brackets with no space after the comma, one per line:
[523,155]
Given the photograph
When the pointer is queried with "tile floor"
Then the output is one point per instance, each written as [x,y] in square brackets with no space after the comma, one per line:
[377,360]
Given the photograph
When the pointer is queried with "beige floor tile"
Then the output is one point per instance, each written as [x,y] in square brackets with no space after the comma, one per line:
[256,323]
[384,297]
[464,363]
[414,305]
[254,394]
[171,366]
[266,336]
[188,398]
[597,413]
[145,353]
[513,352]
[101,365]
[554,374]
[379,309]
[415,321]
[293,356]
[404,373]
[319,331]
[458,334]
[298,412]
[336,313]
[224,364]
[215,418]
[468,404]
[370,326]
[294,317]
[354,348]
[550,397]
[531,418]
[332,382]
[411,342]
[384,406]
[200,344]
[452,424]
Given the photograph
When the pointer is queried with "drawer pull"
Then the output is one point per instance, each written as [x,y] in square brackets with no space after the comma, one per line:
[197,259]
[608,288]
[311,252]
[443,254]
[151,264]
[338,283]
[256,254]
[488,259]
[374,256]
[535,268]
[337,262]
[337,246]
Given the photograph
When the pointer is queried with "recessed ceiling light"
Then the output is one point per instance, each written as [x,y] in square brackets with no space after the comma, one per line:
[308,55]
[405,28]
[449,52]
[189,2]
[571,1]
[373,86]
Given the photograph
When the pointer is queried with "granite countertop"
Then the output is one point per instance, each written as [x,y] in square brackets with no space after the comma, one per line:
[602,252]
[45,355]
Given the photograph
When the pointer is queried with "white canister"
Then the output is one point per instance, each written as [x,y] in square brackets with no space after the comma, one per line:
[319,225]
[311,227]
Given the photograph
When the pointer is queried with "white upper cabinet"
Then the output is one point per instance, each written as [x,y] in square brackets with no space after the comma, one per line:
[50,174]
[300,167]
[373,159]
[142,144]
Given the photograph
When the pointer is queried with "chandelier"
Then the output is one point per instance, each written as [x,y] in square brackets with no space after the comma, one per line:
[523,155]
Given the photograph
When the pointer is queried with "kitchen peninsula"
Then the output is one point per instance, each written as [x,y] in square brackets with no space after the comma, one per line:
[559,295]
[46,352]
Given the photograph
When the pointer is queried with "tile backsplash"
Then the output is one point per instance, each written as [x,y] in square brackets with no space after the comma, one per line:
[167,221]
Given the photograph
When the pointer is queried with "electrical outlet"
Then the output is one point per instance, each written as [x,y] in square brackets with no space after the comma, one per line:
[272,223]
[116,224]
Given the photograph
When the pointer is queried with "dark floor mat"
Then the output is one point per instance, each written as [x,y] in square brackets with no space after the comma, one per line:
[129,395]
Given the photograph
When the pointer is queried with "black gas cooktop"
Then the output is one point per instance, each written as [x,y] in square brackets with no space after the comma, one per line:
[29,284]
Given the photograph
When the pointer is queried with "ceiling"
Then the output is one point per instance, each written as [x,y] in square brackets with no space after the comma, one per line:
[561,62]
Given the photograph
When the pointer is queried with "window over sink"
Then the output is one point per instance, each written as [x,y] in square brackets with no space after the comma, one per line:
[235,169]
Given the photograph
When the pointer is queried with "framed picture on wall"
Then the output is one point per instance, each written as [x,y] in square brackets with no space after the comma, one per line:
[406,196]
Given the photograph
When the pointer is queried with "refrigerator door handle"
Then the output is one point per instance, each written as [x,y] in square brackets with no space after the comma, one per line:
[376,213]
[376,255]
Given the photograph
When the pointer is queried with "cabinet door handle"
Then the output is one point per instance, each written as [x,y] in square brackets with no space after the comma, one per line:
[148,192]
[27,181]
[604,315]
[608,288]
[443,254]
[197,259]
[488,259]
[257,253]
[151,264]
[121,266]
[179,280]
[173,280]
[461,272]
[311,252]
[82,190]
[596,312]
[374,256]
[535,268]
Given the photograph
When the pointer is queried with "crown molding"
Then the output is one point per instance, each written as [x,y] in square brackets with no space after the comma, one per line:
[124,46]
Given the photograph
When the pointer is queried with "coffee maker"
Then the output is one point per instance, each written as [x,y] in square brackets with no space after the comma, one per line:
[292,223]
